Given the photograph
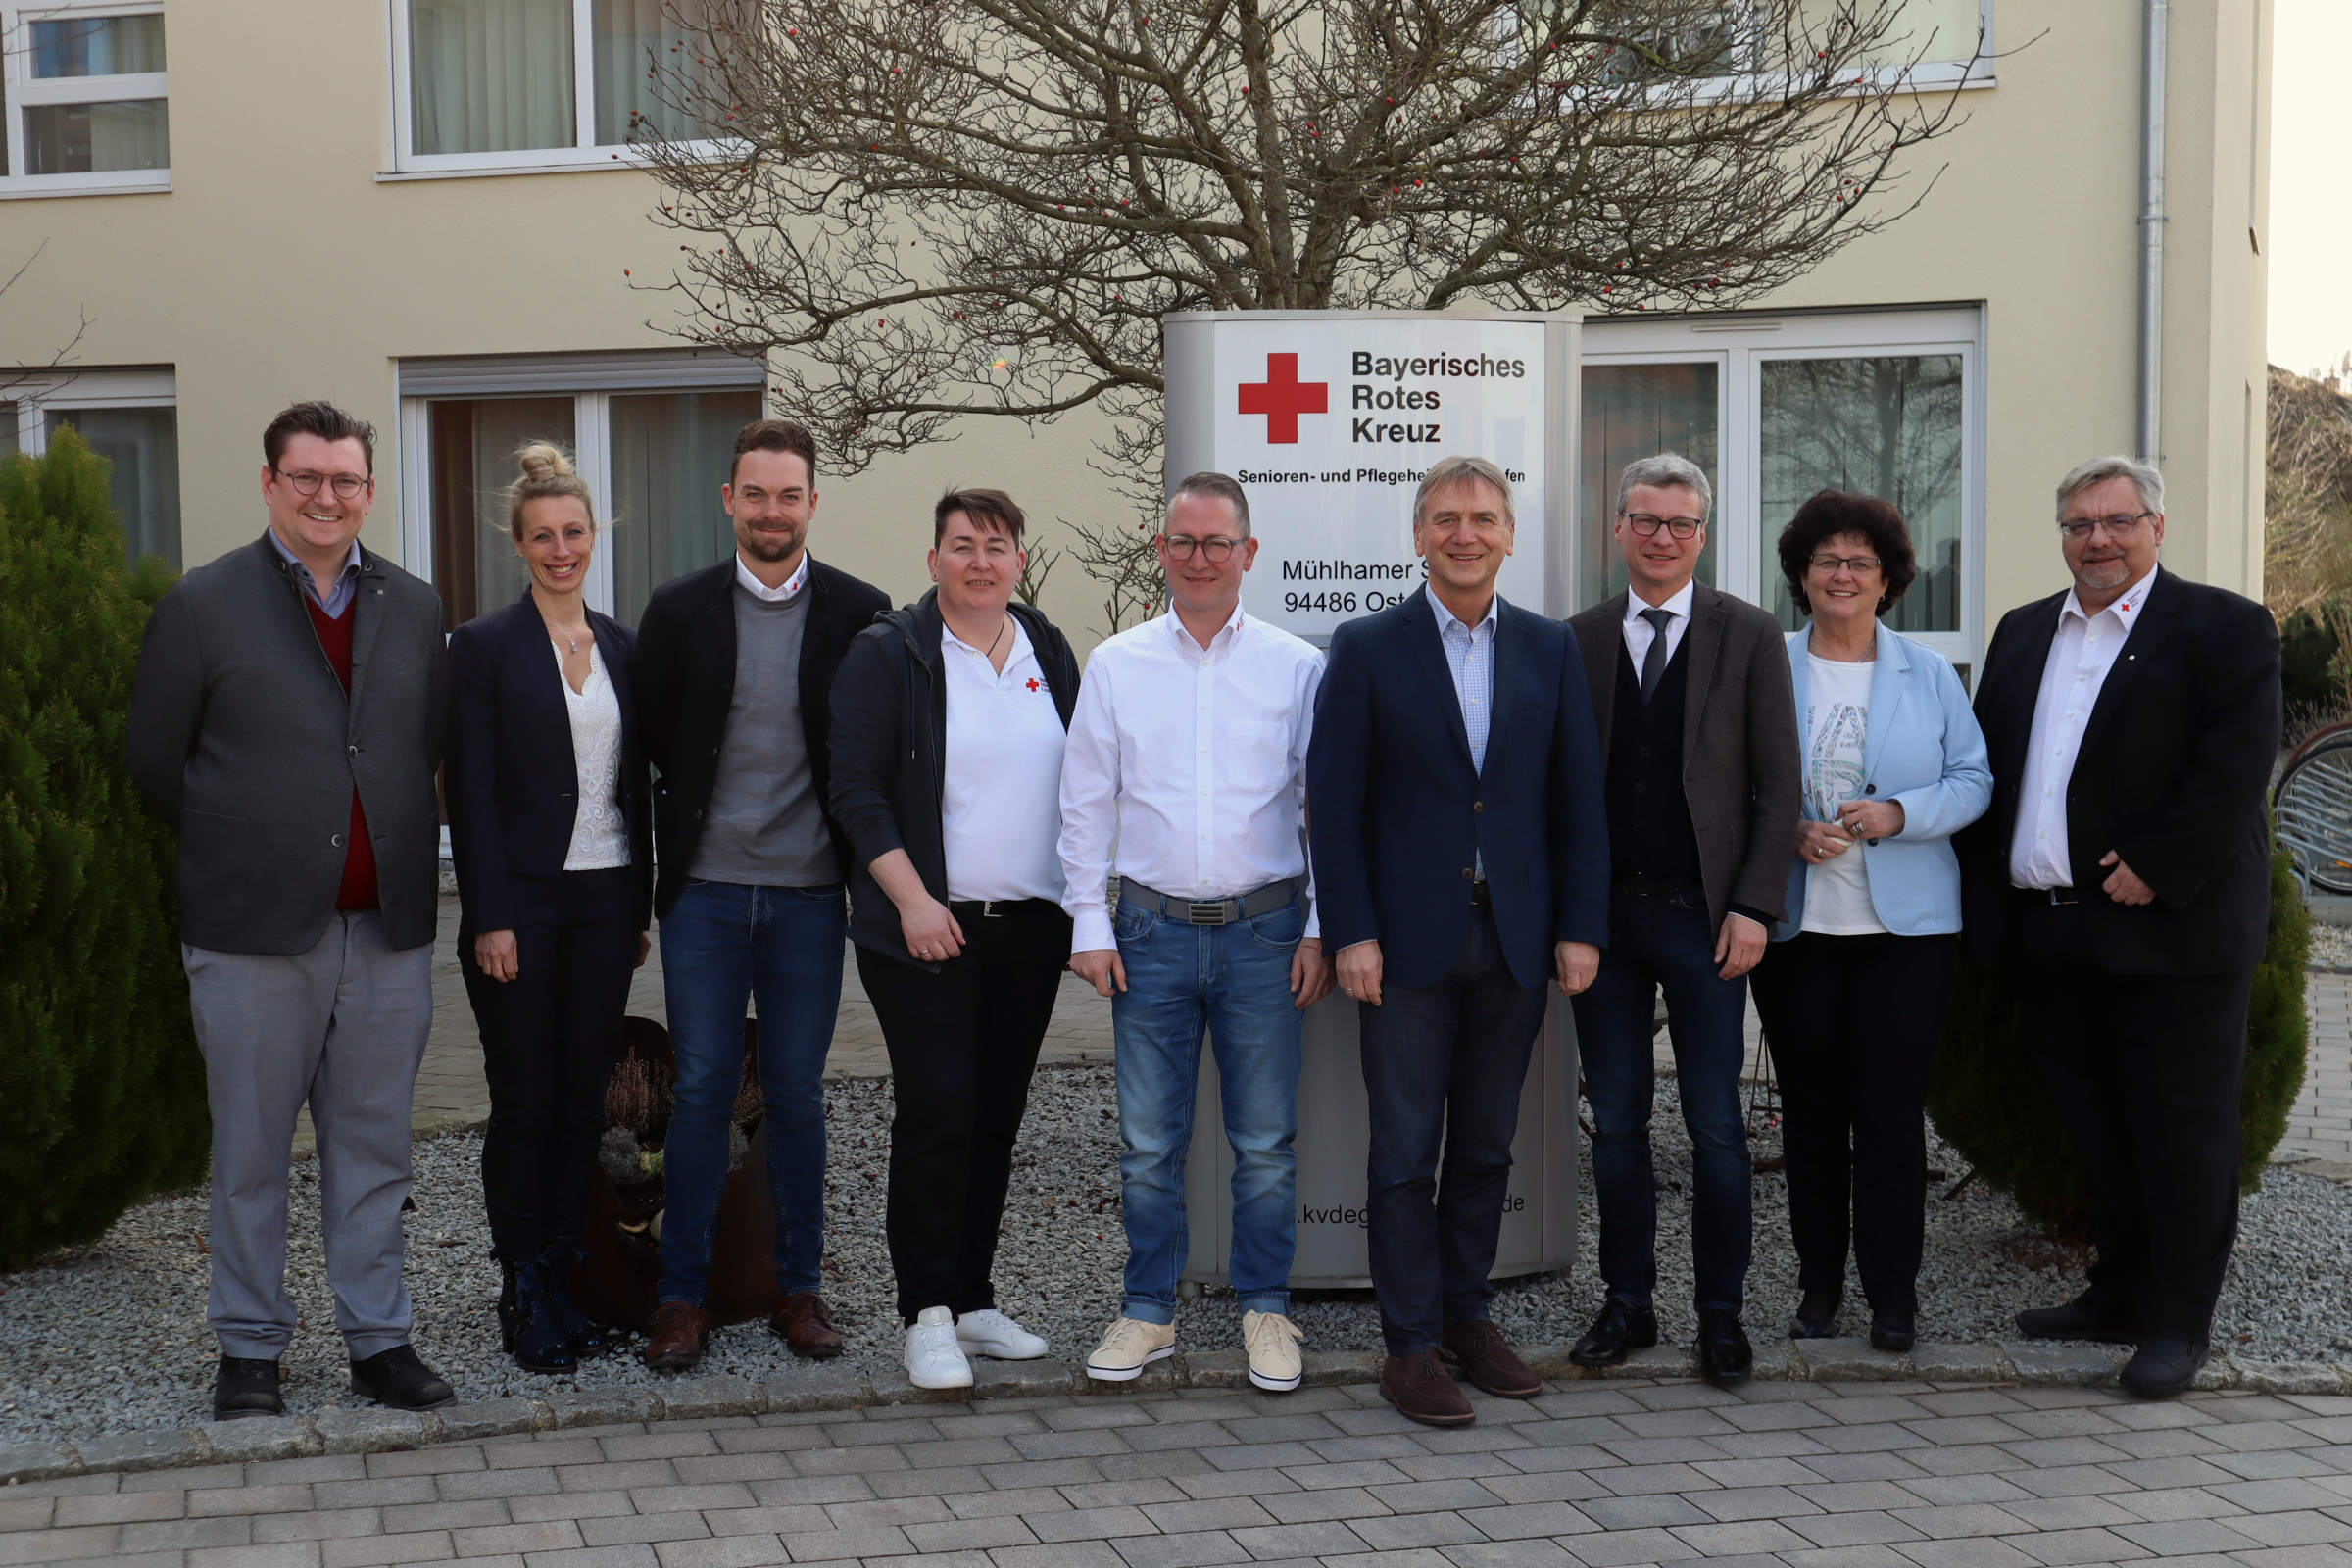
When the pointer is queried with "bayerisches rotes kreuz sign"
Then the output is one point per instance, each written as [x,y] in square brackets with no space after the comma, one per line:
[1331,418]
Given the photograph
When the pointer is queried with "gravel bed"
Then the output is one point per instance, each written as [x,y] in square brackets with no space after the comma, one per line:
[2331,946]
[112,1339]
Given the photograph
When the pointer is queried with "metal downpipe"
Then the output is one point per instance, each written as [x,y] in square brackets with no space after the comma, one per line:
[2152,220]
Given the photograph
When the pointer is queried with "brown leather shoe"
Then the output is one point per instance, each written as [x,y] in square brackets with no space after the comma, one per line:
[805,1324]
[1477,1351]
[1418,1386]
[677,1332]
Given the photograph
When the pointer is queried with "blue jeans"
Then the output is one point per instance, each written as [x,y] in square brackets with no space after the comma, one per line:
[1444,1065]
[1235,982]
[724,944]
[1654,942]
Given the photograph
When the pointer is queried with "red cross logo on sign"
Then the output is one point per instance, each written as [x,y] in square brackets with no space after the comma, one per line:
[1282,397]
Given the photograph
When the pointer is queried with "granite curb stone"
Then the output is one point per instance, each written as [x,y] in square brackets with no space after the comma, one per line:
[374,1430]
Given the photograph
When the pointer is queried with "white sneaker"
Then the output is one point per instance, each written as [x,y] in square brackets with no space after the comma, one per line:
[933,1360]
[991,1333]
[1129,1345]
[1273,1344]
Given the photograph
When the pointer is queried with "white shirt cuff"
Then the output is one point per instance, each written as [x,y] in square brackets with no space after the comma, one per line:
[1090,930]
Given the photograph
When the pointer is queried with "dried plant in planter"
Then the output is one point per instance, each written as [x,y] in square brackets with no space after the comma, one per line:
[638,1104]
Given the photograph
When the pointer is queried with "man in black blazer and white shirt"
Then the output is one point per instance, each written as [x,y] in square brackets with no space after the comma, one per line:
[2124,872]
[735,668]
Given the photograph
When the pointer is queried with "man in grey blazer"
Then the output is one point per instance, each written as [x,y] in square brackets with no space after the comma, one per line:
[287,722]
[1698,735]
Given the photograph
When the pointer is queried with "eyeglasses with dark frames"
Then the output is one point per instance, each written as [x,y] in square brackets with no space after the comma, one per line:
[307,483]
[1180,547]
[1642,523]
[1859,565]
[2115,527]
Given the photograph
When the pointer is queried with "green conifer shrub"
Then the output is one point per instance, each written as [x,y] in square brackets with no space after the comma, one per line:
[1987,1099]
[101,1086]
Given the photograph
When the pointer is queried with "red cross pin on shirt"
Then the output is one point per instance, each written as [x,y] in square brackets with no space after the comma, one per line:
[1036,685]
[1282,397]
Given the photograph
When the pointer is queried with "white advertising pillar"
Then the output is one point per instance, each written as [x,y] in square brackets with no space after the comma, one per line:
[1329,420]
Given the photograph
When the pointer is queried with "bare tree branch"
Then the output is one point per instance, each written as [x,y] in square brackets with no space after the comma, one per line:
[17,378]
[922,210]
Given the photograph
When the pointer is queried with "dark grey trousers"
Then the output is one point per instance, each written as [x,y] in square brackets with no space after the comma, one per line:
[341,1027]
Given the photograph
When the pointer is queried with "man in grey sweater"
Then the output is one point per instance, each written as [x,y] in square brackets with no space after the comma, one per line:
[734,669]
[287,722]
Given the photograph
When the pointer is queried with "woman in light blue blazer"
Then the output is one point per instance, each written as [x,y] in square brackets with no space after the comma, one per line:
[1853,991]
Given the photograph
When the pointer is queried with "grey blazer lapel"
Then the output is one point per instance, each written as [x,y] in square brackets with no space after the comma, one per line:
[1703,642]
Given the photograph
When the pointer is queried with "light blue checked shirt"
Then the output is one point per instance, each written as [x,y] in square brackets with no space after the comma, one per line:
[1470,656]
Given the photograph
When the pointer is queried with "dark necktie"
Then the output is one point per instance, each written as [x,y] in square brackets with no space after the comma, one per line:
[1653,662]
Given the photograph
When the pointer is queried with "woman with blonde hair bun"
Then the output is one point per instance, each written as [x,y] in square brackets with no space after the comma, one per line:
[549,825]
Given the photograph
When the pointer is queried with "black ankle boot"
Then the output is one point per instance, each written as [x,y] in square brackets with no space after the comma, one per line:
[584,1333]
[1816,1316]
[527,1322]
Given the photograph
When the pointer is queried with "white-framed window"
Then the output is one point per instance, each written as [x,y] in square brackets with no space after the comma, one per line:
[652,433]
[498,86]
[1930,47]
[84,103]
[1775,406]
[130,418]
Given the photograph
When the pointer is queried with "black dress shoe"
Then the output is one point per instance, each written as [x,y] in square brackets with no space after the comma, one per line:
[1621,1329]
[2073,1321]
[396,1378]
[244,1386]
[2164,1367]
[1816,1316]
[1723,1353]
[1894,1331]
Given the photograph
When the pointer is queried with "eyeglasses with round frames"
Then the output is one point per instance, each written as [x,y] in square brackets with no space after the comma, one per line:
[1180,547]
[307,483]
[1642,523]
[1859,565]
[2114,528]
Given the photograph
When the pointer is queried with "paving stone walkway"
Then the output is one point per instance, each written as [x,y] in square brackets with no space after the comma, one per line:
[1589,1476]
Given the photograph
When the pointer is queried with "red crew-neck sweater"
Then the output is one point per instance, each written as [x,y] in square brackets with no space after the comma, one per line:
[358,890]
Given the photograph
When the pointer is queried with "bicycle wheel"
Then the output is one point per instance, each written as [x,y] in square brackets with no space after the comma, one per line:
[2314,804]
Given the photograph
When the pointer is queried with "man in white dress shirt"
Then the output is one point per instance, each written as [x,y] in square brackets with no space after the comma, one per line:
[1186,767]
[2123,873]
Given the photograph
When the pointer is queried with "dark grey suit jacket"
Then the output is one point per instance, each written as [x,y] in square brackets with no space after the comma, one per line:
[1739,749]
[241,738]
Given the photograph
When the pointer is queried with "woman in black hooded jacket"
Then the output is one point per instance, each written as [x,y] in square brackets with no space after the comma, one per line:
[948,719]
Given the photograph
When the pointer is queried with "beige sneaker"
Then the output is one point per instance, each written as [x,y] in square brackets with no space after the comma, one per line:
[1129,1345]
[1273,1344]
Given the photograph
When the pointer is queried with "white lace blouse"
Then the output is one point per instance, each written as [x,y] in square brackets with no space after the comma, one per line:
[600,835]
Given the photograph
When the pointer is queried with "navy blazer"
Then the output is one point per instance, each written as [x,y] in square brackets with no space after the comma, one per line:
[512,785]
[1398,818]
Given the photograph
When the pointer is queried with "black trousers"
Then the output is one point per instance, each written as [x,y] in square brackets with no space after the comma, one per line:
[1852,1024]
[1442,1065]
[962,1045]
[550,1037]
[2145,1071]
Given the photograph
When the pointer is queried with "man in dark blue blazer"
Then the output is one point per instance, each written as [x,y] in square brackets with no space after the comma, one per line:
[1461,847]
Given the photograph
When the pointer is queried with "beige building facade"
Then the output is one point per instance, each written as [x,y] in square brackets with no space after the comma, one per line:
[412,207]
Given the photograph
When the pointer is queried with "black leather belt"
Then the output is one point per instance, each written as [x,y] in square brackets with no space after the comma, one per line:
[2048,895]
[1000,908]
[1210,912]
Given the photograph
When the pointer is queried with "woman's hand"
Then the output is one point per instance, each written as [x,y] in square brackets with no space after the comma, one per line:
[644,945]
[932,934]
[1871,819]
[1819,842]
[495,953]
